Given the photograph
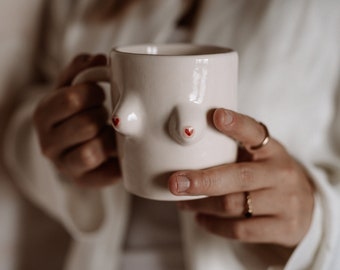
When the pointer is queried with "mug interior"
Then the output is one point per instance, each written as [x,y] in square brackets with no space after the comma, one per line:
[172,49]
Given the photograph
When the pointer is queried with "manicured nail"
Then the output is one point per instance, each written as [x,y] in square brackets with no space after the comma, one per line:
[183,183]
[227,117]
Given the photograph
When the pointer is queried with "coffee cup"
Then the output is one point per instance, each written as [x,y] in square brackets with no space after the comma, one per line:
[162,97]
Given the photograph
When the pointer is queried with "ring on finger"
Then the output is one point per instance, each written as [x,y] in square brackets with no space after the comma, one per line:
[248,211]
[264,141]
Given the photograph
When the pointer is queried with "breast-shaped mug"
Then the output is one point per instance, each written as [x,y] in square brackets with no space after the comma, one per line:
[163,96]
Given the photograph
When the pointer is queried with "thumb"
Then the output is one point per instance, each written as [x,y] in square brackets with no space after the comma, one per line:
[252,134]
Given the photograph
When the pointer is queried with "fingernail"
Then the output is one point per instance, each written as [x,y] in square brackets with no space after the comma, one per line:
[183,183]
[227,117]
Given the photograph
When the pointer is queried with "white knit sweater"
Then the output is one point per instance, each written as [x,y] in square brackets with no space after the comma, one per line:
[289,79]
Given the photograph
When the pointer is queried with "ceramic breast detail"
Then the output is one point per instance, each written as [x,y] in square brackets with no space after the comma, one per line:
[185,125]
[128,116]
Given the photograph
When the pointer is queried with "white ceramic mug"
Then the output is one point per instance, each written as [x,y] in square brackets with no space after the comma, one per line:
[163,96]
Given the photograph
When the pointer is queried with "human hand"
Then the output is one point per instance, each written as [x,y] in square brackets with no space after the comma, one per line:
[280,191]
[73,130]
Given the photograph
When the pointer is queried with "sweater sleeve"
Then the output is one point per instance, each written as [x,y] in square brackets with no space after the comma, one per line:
[316,251]
[318,248]
[85,213]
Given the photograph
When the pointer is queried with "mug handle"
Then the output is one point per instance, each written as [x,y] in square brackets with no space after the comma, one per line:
[97,74]
[93,74]
[127,116]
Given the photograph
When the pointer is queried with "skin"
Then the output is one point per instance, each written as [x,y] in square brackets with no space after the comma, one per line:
[78,137]
[78,140]
[280,189]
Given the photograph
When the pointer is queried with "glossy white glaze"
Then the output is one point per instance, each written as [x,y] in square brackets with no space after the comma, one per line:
[163,112]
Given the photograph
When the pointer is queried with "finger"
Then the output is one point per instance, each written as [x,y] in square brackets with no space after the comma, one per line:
[243,129]
[231,205]
[66,102]
[263,202]
[266,229]
[76,130]
[89,155]
[108,173]
[79,63]
[224,179]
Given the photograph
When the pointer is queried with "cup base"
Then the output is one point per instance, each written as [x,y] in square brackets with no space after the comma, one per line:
[158,192]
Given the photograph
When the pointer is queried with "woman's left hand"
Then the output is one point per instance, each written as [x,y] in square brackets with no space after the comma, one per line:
[280,193]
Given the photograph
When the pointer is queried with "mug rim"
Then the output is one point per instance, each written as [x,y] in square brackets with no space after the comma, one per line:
[173,49]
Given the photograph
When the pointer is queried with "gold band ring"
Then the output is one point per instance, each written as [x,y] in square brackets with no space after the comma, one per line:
[248,213]
[264,141]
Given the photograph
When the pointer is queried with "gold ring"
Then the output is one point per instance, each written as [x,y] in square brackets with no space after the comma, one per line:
[264,141]
[248,213]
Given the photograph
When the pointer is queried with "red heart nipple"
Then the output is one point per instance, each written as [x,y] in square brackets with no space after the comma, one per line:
[115,121]
[189,131]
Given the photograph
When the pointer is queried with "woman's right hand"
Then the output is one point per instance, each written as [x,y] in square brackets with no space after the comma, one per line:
[73,130]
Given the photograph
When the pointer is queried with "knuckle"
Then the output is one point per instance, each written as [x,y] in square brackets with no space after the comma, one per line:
[289,174]
[246,176]
[72,100]
[79,96]
[88,157]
